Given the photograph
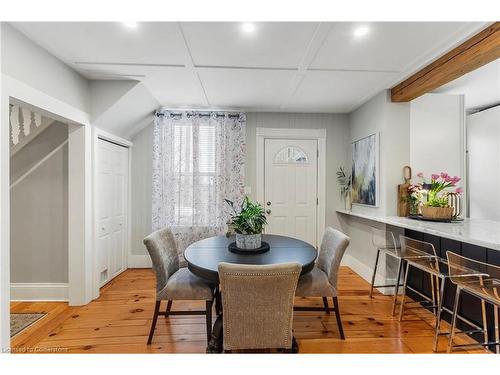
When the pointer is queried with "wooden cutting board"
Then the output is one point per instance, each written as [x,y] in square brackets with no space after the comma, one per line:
[403,204]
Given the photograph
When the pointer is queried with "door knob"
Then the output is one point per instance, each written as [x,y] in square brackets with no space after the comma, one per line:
[268,203]
[268,211]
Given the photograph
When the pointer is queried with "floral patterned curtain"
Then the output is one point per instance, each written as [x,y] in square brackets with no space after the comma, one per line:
[198,161]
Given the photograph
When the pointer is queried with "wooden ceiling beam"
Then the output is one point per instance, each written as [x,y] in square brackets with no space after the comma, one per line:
[475,52]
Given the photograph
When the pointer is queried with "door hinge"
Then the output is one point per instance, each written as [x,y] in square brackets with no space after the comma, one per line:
[317,152]
[317,201]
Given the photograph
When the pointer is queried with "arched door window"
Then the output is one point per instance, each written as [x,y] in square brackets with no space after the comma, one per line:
[291,155]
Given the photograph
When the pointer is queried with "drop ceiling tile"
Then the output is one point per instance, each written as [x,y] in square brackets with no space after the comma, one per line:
[272,44]
[149,43]
[244,88]
[337,91]
[392,46]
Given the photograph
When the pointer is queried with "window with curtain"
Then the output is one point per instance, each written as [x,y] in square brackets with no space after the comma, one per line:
[198,161]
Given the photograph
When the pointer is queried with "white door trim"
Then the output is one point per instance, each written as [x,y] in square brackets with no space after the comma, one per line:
[289,133]
[80,231]
[99,133]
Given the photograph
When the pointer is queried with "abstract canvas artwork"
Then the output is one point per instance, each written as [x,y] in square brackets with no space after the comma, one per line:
[364,170]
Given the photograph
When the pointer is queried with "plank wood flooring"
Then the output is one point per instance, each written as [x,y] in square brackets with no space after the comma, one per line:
[119,321]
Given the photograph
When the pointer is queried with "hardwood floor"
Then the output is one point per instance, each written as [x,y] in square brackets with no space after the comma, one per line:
[119,321]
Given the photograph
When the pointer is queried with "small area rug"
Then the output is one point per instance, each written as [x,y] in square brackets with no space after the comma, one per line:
[18,322]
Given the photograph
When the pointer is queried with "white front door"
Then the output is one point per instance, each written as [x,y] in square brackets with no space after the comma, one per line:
[112,198]
[290,187]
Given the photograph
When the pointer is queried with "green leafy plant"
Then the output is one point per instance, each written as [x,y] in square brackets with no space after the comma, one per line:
[250,219]
[437,202]
[437,190]
[344,181]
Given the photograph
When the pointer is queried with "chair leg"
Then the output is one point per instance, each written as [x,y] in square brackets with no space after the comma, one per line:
[439,310]
[396,287]
[295,346]
[453,321]
[374,272]
[169,307]
[405,284]
[485,321]
[325,304]
[208,312]
[433,293]
[153,323]
[337,315]
[218,302]
[497,329]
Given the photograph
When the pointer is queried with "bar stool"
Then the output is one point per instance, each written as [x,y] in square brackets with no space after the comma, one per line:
[437,269]
[385,242]
[480,280]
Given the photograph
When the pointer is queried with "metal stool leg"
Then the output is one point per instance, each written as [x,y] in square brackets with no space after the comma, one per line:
[497,333]
[404,291]
[453,320]
[433,293]
[396,288]
[485,321]
[439,310]
[374,273]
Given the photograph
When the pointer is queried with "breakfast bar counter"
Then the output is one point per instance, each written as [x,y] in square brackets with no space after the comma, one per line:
[484,233]
[473,238]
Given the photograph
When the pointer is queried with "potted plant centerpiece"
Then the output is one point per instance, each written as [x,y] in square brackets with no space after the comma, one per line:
[434,195]
[248,223]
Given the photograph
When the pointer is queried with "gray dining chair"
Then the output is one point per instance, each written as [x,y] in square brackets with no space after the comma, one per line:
[257,304]
[322,280]
[174,282]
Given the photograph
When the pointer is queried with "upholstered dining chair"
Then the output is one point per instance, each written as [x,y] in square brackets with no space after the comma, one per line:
[174,282]
[322,280]
[257,305]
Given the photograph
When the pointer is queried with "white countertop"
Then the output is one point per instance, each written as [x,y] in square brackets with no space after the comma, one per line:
[479,232]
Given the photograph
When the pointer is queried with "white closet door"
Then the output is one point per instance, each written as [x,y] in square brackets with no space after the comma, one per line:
[112,208]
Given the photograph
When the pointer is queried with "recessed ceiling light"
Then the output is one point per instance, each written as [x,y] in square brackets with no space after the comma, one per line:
[130,24]
[248,27]
[361,31]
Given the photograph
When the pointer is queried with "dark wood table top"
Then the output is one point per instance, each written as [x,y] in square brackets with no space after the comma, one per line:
[203,257]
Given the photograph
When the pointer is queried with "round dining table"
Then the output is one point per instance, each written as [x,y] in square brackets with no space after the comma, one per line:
[203,258]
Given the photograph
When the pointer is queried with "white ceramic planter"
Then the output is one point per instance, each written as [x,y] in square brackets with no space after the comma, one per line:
[248,241]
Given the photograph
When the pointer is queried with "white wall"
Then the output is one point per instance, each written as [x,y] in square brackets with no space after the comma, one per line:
[121,107]
[27,62]
[483,145]
[437,135]
[392,122]
[142,163]
[39,210]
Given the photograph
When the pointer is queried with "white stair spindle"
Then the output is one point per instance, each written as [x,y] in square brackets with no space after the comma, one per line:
[14,124]
[38,119]
[26,121]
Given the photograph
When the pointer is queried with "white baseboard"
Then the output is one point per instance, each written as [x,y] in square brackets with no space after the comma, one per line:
[366,273]
[139,261]
[39,292]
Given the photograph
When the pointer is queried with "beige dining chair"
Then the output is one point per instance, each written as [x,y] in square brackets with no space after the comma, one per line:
[257,305]
[174,282]
[322,280]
